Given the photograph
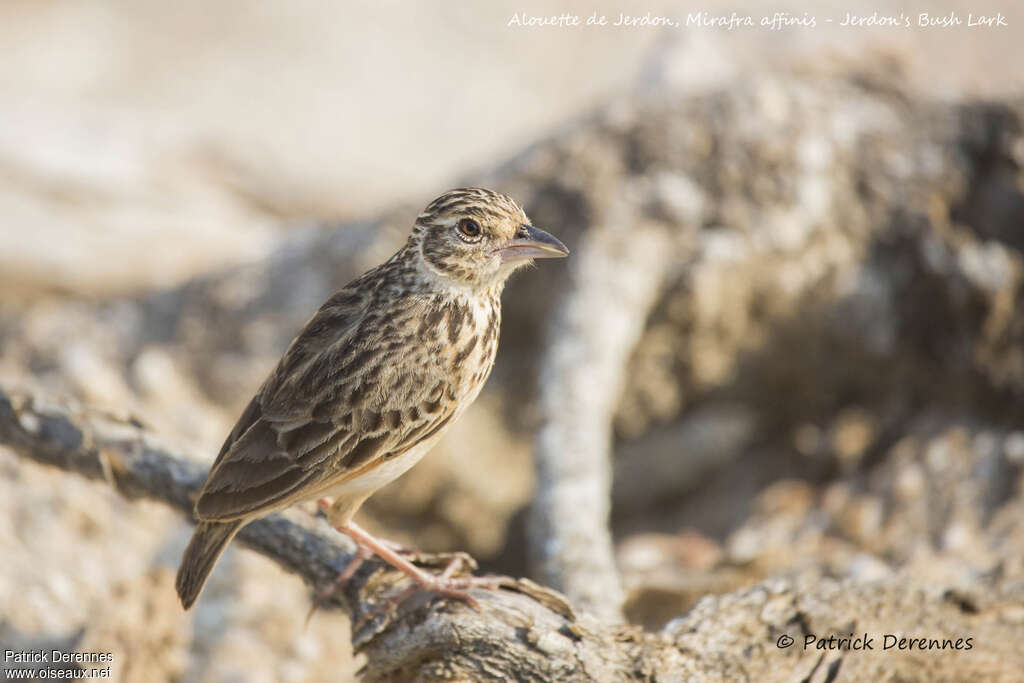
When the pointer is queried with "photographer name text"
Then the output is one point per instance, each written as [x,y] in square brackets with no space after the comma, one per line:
[887,641]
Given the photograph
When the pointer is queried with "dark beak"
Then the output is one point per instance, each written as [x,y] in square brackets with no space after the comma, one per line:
[530,243]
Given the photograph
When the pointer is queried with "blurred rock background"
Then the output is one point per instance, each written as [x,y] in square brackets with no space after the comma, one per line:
[829,385]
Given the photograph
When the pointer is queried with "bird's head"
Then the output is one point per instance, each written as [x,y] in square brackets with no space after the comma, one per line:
[476,238]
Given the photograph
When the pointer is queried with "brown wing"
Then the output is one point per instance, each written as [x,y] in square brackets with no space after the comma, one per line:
[322,416]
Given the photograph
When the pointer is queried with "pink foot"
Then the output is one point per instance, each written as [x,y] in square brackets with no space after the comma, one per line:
[445,583]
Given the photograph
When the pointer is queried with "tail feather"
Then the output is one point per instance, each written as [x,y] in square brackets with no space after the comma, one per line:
[205,548]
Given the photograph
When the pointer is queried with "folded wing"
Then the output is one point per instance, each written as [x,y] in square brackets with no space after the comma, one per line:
[321,418]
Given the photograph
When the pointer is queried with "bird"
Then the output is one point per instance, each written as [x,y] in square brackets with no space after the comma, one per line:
[371,383]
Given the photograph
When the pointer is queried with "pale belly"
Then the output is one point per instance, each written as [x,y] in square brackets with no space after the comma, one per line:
[382,474]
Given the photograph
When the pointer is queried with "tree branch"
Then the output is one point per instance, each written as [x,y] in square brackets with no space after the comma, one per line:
[615,278]
[524,633]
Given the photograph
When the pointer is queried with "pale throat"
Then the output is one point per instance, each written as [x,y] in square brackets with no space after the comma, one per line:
[436,280]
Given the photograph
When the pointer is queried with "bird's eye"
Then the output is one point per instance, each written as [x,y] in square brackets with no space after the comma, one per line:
[469,229]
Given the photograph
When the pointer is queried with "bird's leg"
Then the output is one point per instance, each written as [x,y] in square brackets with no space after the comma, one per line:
[445,583]
[398,547]
[325,506]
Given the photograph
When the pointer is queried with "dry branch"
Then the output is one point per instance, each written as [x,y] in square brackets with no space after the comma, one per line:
[615,278]
[526,633]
